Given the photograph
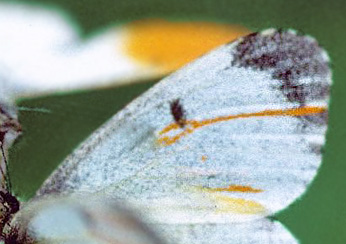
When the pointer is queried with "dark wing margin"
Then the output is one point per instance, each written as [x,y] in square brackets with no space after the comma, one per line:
[290,58]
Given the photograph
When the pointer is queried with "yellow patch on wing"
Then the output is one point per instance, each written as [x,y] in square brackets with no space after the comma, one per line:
[169,45]
[192,125]
[238,205]
[227,204]
[234,188]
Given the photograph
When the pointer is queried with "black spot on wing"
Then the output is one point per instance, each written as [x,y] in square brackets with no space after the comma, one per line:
[178,112]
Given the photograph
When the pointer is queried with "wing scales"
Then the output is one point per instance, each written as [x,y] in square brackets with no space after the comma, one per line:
[230,101]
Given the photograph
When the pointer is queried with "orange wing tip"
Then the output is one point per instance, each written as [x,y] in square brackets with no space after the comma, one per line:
[169,45]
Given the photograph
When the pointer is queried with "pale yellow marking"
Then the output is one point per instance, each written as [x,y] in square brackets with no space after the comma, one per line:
[231,204]
[192,125]
[238,205]
[169,45]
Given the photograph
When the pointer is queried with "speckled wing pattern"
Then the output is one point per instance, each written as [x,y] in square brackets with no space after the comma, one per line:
[256,118]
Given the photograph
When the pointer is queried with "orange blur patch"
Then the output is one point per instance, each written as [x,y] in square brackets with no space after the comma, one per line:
[169,45]
[192,125]
[235,188]
[204,158]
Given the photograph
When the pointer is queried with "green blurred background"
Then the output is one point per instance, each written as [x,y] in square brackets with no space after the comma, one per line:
[318,217]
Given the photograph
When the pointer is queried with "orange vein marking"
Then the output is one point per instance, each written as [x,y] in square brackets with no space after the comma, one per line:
[192,125]
[235,188]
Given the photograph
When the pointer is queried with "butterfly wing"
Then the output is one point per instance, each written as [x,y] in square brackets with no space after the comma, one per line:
[259,231]
[256,117]
[82,219]
[41,50]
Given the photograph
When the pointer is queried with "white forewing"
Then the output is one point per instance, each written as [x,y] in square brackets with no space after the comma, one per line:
[41,52]
[256,117]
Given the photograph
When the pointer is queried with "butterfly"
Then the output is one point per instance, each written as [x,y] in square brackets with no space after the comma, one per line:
[41,50]
[207,153]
